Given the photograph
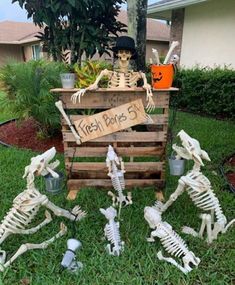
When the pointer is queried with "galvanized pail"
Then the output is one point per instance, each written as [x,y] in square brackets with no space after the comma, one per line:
[176,166]
[54,185]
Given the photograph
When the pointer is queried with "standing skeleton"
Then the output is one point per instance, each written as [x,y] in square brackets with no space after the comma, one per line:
[170,240]
[199,189]
[27,204]
[117,178]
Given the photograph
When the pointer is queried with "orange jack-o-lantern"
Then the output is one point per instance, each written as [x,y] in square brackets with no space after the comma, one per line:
[162,76]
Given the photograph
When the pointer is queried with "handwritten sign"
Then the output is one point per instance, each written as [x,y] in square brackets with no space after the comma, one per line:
[110,121]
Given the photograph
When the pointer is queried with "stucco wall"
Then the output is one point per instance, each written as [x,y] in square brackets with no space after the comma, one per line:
[8,52]
[208,35]
[162,48]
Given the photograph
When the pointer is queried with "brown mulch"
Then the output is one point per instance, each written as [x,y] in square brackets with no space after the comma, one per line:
[231,175]
[25,135]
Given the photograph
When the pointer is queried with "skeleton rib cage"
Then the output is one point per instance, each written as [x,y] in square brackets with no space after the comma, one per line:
[201,193]
[171,241]
[21,213]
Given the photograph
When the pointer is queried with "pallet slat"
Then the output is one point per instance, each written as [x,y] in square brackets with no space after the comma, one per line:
[124,137]
[161,119]
[76,184]
[121,151]
[101,166]
[100,100]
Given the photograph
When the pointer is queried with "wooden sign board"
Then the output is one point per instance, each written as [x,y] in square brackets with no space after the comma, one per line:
[110,121]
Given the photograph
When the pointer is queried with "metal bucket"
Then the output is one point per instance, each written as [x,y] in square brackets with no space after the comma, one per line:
[176,166]
[67,80]
[54,185]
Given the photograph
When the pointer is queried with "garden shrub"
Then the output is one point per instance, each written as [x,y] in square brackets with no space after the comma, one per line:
[206,91]
[27,92]
[88,72]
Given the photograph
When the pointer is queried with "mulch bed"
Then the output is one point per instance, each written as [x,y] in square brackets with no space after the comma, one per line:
[24,135]
[231,174]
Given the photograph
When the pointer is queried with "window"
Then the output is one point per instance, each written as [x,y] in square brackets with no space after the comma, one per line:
[36,50]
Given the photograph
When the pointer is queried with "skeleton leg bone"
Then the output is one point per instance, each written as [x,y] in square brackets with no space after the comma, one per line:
[29,246]
[172,261]
[59,105]
[75,215]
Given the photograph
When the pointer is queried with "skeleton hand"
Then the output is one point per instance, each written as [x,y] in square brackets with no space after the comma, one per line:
[149,97]
[78,95]
[78,213]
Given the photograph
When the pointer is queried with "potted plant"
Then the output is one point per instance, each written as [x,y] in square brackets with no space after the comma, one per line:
[68,79]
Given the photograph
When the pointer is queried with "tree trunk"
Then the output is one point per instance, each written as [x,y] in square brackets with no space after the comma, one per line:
[137,12]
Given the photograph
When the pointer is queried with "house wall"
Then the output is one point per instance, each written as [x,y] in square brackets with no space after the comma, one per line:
[208,35]
[162,48]
[28,52]
[8,52]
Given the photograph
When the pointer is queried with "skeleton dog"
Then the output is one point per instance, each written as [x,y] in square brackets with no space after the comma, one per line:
[199,189]
[170,240]
[27,204]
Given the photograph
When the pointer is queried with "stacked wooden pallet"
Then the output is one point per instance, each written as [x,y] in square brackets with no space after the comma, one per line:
[142,147]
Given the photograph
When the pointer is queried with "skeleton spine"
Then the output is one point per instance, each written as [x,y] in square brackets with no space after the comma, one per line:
[173,243]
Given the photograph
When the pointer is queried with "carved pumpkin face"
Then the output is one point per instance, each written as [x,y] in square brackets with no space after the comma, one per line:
[162,76]
[157,76]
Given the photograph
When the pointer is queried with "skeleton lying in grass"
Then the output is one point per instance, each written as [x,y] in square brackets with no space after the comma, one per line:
[170,240]
[122,78]
[27,204]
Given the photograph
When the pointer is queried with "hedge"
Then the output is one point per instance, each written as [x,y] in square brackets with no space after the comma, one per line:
[206,91]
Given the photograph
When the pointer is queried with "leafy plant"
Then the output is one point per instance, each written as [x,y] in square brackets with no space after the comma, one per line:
[80,26]
[87,73]
[207,91]
[27,92]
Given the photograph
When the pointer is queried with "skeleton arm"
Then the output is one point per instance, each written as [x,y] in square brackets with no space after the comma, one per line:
[93,86]
[179,190]
[149,95]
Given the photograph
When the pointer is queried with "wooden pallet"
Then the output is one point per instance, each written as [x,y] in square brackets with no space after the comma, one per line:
[142,148]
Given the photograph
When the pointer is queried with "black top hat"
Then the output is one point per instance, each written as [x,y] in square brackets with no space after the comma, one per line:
[125,43]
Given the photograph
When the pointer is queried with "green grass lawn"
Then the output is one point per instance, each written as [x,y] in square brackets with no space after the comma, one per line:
[138,264]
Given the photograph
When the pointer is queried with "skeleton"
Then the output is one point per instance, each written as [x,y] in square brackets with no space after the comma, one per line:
[174,44]
[170,240]
[27,204]
[111,231]
[120,79]
[117,178]
[199,189]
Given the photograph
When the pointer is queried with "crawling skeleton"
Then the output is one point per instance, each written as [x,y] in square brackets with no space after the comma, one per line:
[170,240]
[27,204]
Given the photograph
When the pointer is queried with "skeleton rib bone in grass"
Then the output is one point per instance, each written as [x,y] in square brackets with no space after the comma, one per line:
[199,189]
[170,240]
[27,204]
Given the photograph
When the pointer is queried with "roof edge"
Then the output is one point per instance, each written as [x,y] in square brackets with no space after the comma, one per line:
[31,40]
[154,8]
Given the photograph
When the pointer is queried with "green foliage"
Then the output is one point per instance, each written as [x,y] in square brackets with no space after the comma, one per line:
[80,26]
[207,91]
[27,87]
[87,73]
